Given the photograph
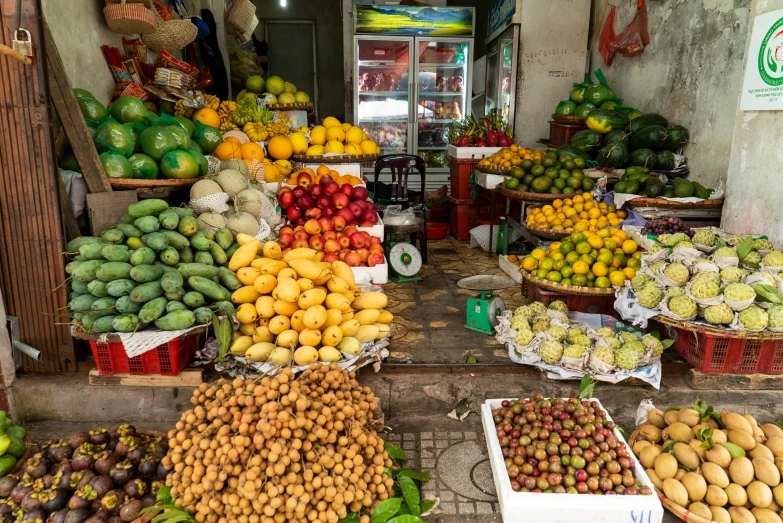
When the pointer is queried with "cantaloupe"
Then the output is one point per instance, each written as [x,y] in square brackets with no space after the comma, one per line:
[235,165]
[242,222]
[211,221]
[204,188]
[248,201]
[231,181]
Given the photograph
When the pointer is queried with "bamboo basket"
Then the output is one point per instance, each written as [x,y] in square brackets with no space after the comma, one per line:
[130,18]
[302,106]
[659,202]
[494,170]
[549,234]
[570,119]
[126,183]
[566,289]
[532,196]
[170,35]
[699,328]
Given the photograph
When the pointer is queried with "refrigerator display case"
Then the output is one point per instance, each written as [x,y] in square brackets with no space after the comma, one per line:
[502,61]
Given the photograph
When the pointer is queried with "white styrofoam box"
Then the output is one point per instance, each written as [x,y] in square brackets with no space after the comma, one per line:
[378,274]
[489,181]
[354,169]
[471,152]
[376,230]
[565,508]
[509,268]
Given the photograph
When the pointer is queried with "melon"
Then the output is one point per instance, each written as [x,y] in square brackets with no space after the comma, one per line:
[210,221]
[203,188]
[249,201]
[232,182]
[242,222]
[236,165]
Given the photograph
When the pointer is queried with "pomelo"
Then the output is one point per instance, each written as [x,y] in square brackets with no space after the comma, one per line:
[203,164]
[92,109]
[180,135]
[272,99]
[143,166]
[289,87]
[69,163]
[186,124]
[301,97]
[82,93]
[116,165]
[286,98]
[157,141]
[128,109]
[255,84]
[179,164]
[207,137]
[112,135]
[275,85]
[136,137]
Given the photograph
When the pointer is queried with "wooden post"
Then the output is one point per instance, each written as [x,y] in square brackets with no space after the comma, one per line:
[31,231]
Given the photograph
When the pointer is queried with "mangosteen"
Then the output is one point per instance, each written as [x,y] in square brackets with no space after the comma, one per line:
[63,466]
[148,466]
[7,484]
[32,500]
[83,497]
[121,473]
[126,444]
[162,470]
[104,461]
[19,492]
[135,488]
[87,476]
[82,458]
[37,467]
[79,439]
[115,519]
[56,500]
[148,500]
[34,515]
[130,510]
[99,436]
[135,454]
[95,506]
[126,429]
[101,484]
[113,500]
[65,479]
[77,515]
[60,451]
[98,517]
[7,518]
[7,507]
[57,517]
[57,481]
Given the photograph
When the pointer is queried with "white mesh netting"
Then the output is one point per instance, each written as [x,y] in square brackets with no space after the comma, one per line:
[216,202]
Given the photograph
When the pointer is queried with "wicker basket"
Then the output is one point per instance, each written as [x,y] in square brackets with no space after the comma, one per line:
[567,289]
[300,106]
[532,196]
[569,119]
[340,158]
[661,202]
[241,19]
[125,183]
[171,35]
[549,234]
[494,169]
[130,18]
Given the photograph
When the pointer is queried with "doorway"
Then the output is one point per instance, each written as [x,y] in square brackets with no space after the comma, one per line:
[292,54]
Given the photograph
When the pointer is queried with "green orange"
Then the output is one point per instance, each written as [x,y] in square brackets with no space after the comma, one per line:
[571,257]
[567,271]
[541,273]
[579,280]
[634,263]
[605,257]
[554,276]
[577,237]
[566,247]
[589,260]
[559,264]
[621,259]
[602,282]
[546,264]
[583,247]
[566,281]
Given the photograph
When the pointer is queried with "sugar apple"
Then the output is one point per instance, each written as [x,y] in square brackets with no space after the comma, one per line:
[704,237]
[605,331]
[671,240]
[725,252]
[575,351]
[557,332]
[712,264]
[767,276]
[550,351]
[536,307]
[775,314]
[739,292]
[683,307]
[523,312]
[637,345]
[754,318]
[628,337]
[732,274]
[674,291]
[773,259]
[651,341]
[762,244]
[678,273]
[639,281]
[705,288]
[657,265]
[581,339]
[524,337]
[712,277]
[540,325]
[655,248]
[684,243]
[519,324]
[573,332]
[719,314]
[558,306]
[605,354]
[734,240]
[626,358]
[753,259]
[613,342]
[650,296]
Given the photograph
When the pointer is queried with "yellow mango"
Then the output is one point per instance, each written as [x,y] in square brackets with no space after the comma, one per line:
[265,283]
[350,345]
[329,354]
[260,351]
[247,329]
[287,338]
[310,337]
[247,275]
[332,335]
[279,324]
[284,308]
[246,313]
[383,330]
[243,256]
[370,300]
[385,317]
[337,301]
[280,356]
[314,317]
[240,345]
[263,334]
[333,317]
[288,290]
[337,284]
[305,284]
[267,266]
[311,297]
[348,316]
[288,272]
[342,270]
[297,321]
[272,250]
[265,306]
[246,294]
[243,238]
[367,333]
[350,296]
[309,269]
[367,317]
[262,322]
[305,355]
[301,253]
[350,327]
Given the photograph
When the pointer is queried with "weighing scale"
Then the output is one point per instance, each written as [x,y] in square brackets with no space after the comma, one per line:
[404,259]
[483,311]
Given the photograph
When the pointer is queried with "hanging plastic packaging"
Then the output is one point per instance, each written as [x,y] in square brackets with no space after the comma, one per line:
[607,35]
[635,37]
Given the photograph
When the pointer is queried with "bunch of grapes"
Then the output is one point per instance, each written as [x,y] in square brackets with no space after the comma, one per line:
[666,226]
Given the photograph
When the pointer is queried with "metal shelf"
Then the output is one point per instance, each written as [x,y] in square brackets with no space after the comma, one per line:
[435,93]
[443,66]
[433,148]
[383,93]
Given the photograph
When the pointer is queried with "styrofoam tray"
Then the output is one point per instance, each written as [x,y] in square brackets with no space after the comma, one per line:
[509,268]
[354,169]
[378,274]
[376,230]
[489,180]
[471,152]
[565,508]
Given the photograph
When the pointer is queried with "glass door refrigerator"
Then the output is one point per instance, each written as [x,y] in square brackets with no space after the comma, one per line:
[502,59]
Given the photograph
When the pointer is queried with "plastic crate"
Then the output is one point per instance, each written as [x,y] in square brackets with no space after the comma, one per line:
[460,171]
[720,354]
[167,359]
[561,134]
[464,216]
[577,303]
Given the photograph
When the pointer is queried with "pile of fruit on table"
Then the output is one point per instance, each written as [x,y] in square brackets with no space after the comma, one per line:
[551,174]
[490,130]
[332,136]
[587,259]
[12,444]
[578,213]
[274,89]
[512,156]
[639,180]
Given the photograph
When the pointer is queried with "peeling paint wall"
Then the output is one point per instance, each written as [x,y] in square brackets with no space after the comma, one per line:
[690,73]
[754,192]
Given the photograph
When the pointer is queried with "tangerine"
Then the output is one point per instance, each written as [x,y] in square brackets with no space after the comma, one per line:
[583,247]
[602,282]
[580,267]
[252,151]
[529,263]
[228,150]
[538,254]
[629,247]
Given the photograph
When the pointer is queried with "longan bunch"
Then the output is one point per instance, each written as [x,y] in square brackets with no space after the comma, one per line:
[279,448]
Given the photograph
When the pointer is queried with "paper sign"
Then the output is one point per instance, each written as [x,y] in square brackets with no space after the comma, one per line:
[762,87]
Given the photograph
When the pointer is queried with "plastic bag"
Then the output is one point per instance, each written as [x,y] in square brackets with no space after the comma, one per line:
[395,215]
[635,37]
[607,35]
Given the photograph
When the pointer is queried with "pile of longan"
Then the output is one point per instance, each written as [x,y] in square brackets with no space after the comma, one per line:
[279,448]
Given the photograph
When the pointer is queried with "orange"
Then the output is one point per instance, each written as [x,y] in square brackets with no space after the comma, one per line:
[610,244]
[620,233]
[617,278]
[334,175]
[600,269]
[280,148]
[595,242]
[583,247]
[555,247]
[629,246]
[529,263]
[629,272]
[353,180]
[538,254]
[622,214]
[546,264]
[322,170]
[252,151]
[228,151]
[232,139]
[604,233]
[634,263]
[602,282]
[577,237]
[580,267]
[207,116]
[620,257]
[571,257]
[605,258]
[567,271]
[554,276]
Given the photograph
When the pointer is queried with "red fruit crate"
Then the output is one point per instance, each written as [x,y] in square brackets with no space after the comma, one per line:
[576,303]
[464,216]
[561,134]
[167,359]
[715,351]
[460,171]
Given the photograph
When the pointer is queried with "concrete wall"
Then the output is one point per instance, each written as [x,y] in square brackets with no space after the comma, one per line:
[328,28]
[690,73]
[754,191]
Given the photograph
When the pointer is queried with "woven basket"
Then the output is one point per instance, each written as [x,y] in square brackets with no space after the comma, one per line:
[699,328]
[241,19]
[494,170]
[171,35]
[569,119]
[566,289]
[532,196]
[130,18]
[660,202]
[549,234]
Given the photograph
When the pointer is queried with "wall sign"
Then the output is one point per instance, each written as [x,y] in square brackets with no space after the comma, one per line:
[762,87]
[501,12]
[414,21]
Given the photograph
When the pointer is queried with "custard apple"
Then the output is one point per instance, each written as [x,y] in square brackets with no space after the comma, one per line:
[767,276]
[626,358]
[704,237]
[519,324]
[575,351]
[628,337]
[704,288]
[753,259]
[523,312]
[639,281]
[709,276]
[650,296]
[754,318]
[605,354]
[542,316]
[540,326]
[683,307]
[573,332]
[775,314]
[637,345]
[739,292]
[712,264]
[725,252]
[773,259]
[536,307]
[524,337]
[651,341]
[613,342]
[655,248]
[684,243]
[719,314]
[558,306]
[605,331]
[732,274]
[557,332]
[671,240]
[581,339]
[678,273]
[763,245]
[674,291]
[550,351]
[734,240]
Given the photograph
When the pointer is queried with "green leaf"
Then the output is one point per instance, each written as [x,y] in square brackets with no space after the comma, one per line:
[223,334]
[389,472]
[669,409]
[385,510]
[744,248]
[164,495]
[683,467]
[424,477]
[407,518]
[700,406]
[350,518]
[768,293]
[471,359]
[586,387]
[426,505]
[404,509]
[670,446]
[621,430]
[411,494]
[395,452]
[667,343]
[655,334]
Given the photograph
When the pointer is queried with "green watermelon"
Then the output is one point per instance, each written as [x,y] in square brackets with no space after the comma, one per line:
[604,121]
[157,141]
[112,135]
[128,109]
[646,120]
[207,137]
[618,135]
[665,160]
[573,152]
[676,137]
[144,167]
[116,165]
[650,137]
[179,164]
[587,140]
[614,155]
[642,158]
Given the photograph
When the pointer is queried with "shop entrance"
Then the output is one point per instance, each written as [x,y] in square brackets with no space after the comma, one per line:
[292,53]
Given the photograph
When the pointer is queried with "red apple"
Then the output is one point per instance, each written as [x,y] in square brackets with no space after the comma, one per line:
[303,179]
[366,224]
[293,213]
[332,246]
[346,214]
[362,204]
[345,242]
[285,239]
[305,202]
[300,222]
[375,259]
[326,224]
[286,229]
[331,188]
[355,209]
[363,254]
[342,254]
[357,240]
[339,200]
[312,227]
[313,213]
[330,257]
[326,180]
[329,211]
[375,241]
[298,244]
[316,190]
[370,216]
[353,259]
[317,242]
[338,222]
[324,201]
[347,189]
[376,248]
[286,199]
[301,234]
[349,230]
[367,237]
[371,206]
[299,192]
[360,193]
[329,235]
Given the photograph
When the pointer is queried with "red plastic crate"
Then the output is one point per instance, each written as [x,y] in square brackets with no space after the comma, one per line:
[720,354]
[167,359]
[561,133]
[460,171]
[587,304]
[464,217]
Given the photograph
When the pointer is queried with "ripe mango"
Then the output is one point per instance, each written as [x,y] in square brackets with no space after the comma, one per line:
[259,351]
[370,300]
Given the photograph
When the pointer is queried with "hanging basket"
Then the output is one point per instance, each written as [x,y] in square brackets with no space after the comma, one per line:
[171,35]
[130,18]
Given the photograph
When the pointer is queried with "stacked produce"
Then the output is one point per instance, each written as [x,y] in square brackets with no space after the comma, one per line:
[564,447]
[587,96]
[560,341]
[153,267]
[333,137]
[294,300]
[327,199]
[490,130]
[639,180]
[669,225]
[587,259]
[553,174]
[12,444]
[278,91]
[722,467]
[579,213]
[284,449]
[511,156]
[258,123]
[96,476]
